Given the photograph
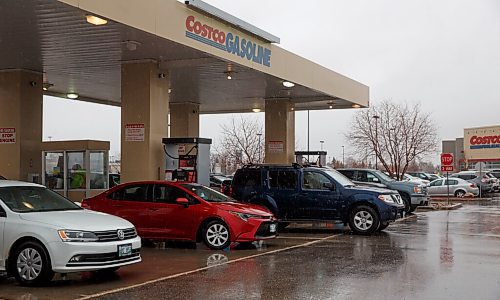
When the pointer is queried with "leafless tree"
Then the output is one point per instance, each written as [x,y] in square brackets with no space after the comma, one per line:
[242,143]
[396,133]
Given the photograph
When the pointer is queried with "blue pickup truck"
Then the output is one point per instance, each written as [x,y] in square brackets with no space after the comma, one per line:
[413,194]
[303,194]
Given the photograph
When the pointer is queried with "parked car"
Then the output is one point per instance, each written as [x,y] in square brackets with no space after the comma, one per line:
[482,180]
[420,181]
[496,173]
[42,233]
[458,187]
[425,176]
[296,194]
[163,210]
[413,194]
[216,181]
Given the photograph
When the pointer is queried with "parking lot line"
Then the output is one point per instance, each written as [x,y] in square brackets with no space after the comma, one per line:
[205,268]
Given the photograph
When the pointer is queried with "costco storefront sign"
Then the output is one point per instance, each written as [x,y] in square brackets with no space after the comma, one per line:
[480,142]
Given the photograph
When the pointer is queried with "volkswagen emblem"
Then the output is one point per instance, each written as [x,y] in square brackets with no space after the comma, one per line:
[121,234]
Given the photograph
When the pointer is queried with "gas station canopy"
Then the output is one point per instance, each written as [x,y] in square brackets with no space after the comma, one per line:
[198,47]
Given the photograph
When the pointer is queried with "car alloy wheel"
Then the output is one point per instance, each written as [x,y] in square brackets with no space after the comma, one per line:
[459,194]
[217,235]
[364,220]
[29,264]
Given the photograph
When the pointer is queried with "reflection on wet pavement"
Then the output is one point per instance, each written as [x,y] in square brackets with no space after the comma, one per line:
[437,255]
[440,255]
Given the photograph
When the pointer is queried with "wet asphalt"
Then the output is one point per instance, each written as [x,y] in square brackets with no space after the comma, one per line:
[435,255]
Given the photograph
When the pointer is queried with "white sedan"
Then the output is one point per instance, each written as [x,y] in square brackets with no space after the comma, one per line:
[457,187]
[42,233]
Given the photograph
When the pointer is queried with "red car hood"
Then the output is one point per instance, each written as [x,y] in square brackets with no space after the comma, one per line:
[244,208]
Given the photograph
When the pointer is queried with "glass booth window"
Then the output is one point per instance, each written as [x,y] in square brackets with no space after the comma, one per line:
[76,170]
[54,170]
[98,178]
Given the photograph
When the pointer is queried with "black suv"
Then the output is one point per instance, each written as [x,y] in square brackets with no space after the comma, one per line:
[295,194]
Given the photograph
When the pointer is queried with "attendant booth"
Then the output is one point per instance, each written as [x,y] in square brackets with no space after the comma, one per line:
[75,169]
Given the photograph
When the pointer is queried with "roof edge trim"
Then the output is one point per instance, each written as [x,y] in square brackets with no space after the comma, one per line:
[232,20]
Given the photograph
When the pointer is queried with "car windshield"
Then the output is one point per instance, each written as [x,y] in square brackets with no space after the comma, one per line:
[339,177]
[383,176]
[25,199]
[207,194]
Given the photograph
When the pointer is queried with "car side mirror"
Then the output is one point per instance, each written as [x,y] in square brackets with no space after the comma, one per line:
[182,201]
[329,186]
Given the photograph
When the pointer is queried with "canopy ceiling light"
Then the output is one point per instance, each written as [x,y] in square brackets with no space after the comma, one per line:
[288,84]
[256,110]
[47,85]
[72,95]
[229,75]
[356,106]
[330,104]
[96,20]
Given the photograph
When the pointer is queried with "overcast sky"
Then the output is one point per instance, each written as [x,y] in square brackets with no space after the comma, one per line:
[442,54]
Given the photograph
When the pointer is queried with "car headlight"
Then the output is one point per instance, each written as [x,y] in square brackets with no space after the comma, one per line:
[77,236]
[386,198]
[244,216]
[417,190]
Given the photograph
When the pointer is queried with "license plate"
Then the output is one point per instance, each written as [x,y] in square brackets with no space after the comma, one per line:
[272,228]
[124,250]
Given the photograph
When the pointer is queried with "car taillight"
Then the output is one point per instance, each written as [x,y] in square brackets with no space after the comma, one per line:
[230,191]
[473,185]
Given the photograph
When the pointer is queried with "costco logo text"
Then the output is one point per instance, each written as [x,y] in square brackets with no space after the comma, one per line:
[229,42]
[482,142]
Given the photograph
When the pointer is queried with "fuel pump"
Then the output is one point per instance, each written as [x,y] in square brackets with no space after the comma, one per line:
[187,159]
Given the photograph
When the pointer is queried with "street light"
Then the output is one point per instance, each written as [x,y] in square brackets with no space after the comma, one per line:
[376,141]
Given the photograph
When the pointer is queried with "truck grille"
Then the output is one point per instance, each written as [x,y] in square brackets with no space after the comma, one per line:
[112,235]
[397,198]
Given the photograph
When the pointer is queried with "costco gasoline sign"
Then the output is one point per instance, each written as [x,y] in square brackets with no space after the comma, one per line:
[227,41]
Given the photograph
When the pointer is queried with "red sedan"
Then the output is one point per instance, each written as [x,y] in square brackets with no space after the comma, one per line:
[162,210]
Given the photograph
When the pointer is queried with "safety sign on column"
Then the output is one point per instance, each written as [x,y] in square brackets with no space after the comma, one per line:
[7,135]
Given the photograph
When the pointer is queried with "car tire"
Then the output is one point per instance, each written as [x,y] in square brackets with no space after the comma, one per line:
[460,193]
[31,264]
[383,226]
[364,220]
[216,235]
[407,202]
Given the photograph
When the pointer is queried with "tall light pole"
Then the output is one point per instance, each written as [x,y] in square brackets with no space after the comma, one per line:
[260,147]
[343,157]
[308,136]
[376,141]
[321,142]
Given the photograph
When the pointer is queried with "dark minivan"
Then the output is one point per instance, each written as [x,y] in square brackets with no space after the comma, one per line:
[298,194]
